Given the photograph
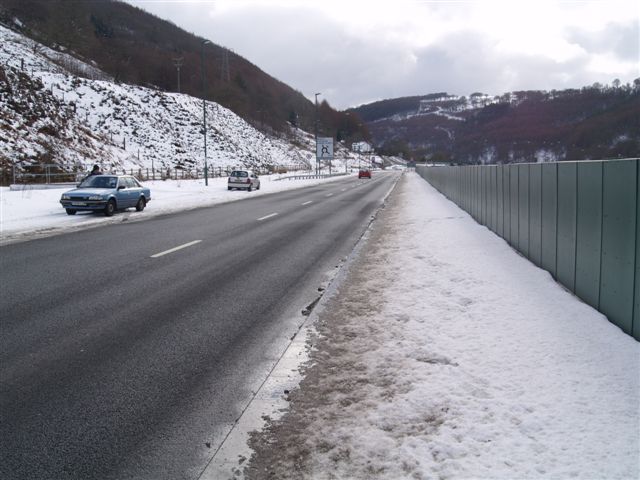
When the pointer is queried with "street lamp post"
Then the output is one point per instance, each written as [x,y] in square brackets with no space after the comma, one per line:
[204,113]
[317,159]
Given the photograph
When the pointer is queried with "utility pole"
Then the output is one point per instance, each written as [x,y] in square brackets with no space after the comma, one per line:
[178,62]
[204,113]
[317,159]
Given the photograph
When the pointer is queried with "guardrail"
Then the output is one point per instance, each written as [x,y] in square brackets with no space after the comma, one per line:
[580,221]
[310,176]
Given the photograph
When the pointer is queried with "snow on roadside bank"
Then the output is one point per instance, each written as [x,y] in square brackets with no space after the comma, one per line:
[445,354]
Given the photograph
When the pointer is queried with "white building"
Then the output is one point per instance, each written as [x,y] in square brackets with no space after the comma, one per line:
[361,147]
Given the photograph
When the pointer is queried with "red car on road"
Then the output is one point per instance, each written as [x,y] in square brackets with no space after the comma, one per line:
[364,173]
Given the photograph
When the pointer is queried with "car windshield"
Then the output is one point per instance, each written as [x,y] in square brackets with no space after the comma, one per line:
[99,181]
[239,174]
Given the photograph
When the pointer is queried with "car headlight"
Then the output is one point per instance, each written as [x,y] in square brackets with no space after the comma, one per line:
[65,197]
[95,197]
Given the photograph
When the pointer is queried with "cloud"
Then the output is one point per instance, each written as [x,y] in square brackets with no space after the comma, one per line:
[356,52]
[619,39]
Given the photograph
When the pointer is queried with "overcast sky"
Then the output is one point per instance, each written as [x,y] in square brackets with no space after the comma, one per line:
[356,52]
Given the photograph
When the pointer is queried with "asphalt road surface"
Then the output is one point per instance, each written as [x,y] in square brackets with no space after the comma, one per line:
[129,350]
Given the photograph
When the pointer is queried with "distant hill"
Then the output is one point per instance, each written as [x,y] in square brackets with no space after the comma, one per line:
[593,122]
[138,48]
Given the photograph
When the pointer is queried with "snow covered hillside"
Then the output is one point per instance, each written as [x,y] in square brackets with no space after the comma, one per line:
[55,109]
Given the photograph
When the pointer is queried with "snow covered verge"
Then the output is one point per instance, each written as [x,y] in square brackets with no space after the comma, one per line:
[50,115]
[445,354]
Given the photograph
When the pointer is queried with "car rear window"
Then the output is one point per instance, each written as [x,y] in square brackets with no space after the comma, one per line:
[239,173]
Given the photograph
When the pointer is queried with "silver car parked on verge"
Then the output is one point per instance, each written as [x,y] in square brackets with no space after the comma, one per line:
[244,180]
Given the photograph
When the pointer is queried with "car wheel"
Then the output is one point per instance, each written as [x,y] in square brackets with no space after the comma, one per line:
[250,187]
[141,204]
[258,187]
[110,208]
[229,188]
[71,211]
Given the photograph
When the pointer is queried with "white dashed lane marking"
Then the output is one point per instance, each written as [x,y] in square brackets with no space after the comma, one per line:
[267,216]
[175,249]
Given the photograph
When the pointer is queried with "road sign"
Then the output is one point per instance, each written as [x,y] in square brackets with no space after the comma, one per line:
[324,148]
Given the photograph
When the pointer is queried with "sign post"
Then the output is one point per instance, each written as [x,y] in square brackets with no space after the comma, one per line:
[324,150]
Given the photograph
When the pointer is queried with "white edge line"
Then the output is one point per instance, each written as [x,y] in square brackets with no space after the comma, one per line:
[180,247]
[307,203]
[267,216]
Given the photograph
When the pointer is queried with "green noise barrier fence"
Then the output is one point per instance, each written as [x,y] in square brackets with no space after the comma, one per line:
[580,221]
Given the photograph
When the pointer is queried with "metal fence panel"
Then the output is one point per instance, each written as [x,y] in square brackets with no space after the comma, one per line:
[523,209]
[566,254]
[492,198]
[466,193]
[485,197]
[486,183]
[499,200]
[483,194]
[535,214]
[618,242]
[477,199]
[513,199]
[549,235]
[506,196]
[589,232]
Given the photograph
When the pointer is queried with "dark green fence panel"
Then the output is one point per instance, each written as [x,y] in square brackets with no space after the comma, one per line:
[480,194]
[491,198]
[499,201]
[473,199]
[484,172]
[589,232]
[549,217]
[514,193]
[618,242]
[470,186]
[467,180]
[535,214]
[566,254]
[523,209]
[478,188]
[478,180]
[506,200]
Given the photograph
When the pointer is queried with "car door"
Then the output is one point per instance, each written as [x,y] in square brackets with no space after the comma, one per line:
[125,193]
[134,191]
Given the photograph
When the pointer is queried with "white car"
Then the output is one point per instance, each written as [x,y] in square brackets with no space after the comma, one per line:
[243,180]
